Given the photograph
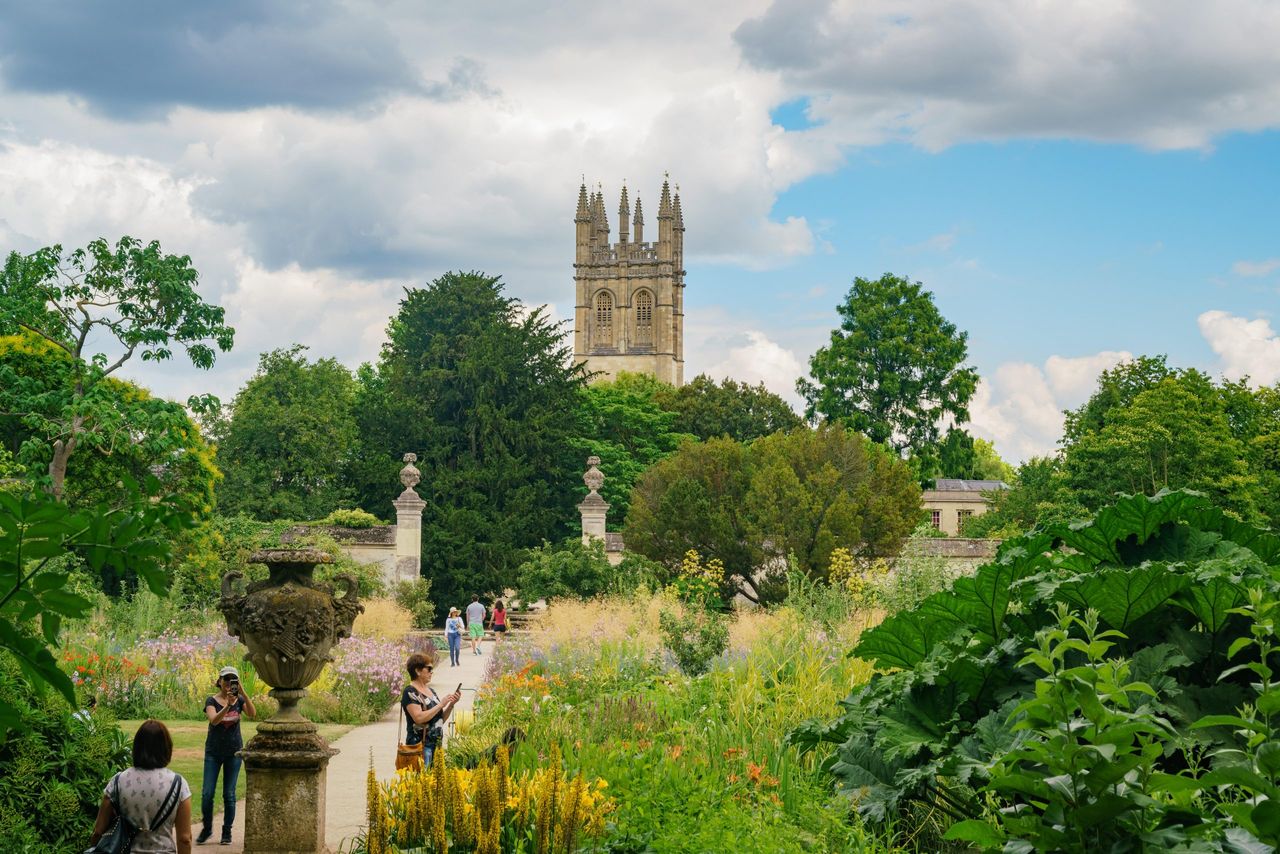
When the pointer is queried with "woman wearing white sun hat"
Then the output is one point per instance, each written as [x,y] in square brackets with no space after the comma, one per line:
[220,746]
[453,629]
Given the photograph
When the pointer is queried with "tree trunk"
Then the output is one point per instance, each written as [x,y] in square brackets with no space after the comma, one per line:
[58,465]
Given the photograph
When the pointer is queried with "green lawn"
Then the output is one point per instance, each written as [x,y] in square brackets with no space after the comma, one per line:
[188,752]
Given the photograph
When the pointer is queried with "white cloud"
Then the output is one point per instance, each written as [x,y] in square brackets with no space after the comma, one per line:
[1254,269]
[943,242]
[761,360]
[1160,73]
[1019,407]
[1245,348]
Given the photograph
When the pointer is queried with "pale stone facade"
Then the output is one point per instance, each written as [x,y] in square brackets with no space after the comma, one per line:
[952,501]
[629,304]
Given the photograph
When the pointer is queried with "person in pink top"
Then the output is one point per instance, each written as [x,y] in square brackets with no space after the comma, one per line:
[499,621]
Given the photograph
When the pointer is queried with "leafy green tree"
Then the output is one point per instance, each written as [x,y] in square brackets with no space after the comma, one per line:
[289,440]
[707,409]
[1117,387]
[484,392]
[1174,434]
[134,297]
[751,507]
[814,491]
[622,423]
[988,464]
[894,369]
[692,501]
[138,435]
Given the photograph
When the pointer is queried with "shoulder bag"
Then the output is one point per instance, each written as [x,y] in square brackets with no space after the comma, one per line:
[119,839]
[407,755]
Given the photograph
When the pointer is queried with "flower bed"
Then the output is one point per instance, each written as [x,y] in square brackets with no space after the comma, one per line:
[696,763]
[169,676]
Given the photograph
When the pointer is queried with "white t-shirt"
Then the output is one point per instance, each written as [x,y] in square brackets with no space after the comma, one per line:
[475,614]
[140,795]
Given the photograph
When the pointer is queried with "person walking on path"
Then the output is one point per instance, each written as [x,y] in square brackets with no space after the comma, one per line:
[223,710]
[475,623]
[425,710]
[156,800]
[453,634]
[499,621]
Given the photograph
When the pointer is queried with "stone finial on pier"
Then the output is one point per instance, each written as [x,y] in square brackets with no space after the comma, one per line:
[594,509]
[408,562]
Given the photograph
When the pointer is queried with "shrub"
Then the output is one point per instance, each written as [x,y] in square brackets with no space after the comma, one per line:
[414,596]
[1173,581]
[571,570]
[384,619]
[53,768]
[695,637]
[351,519]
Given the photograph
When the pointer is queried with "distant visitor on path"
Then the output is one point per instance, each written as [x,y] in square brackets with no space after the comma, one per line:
[453,628]
[425,710]
[223,710]
[149,797]
[475,623]
[499,621]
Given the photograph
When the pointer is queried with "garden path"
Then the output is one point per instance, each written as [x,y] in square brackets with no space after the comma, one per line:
[345,795]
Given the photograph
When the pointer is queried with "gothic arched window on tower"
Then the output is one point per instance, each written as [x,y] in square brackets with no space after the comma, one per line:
[604,319]
[644,318]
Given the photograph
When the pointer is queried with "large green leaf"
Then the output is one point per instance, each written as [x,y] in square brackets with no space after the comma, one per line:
[1211,601]
[1123,595]
[907,638]
[1133,518]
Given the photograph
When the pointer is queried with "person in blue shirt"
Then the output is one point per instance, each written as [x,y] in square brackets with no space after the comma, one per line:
[453,629]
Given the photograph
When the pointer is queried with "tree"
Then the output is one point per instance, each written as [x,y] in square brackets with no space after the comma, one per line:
[800,494]
[288,442]
[893,370]
[813,491]
[692,501]
[622,423]
[142,301]
[141,437]
[1117,387]
[744,412]
[484,392]
[1174,434]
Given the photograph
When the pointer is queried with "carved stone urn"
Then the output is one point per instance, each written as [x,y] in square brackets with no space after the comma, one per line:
[290,622]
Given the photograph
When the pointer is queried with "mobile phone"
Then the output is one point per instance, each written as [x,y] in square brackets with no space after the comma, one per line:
[458,689]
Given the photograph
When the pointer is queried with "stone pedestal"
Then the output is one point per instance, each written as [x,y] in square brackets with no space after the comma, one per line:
[286,764]
[409,506]
[594,509]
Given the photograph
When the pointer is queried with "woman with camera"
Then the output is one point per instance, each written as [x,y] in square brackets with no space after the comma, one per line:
[223,710]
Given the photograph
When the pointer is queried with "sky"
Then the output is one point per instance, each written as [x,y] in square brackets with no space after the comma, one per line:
[1076,182]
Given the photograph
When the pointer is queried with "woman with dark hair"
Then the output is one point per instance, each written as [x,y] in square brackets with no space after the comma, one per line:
[424,709]
[499,622]
[155,799]
[221,744]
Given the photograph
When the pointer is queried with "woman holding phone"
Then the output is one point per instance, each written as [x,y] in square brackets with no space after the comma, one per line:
[425,710]
[223,711]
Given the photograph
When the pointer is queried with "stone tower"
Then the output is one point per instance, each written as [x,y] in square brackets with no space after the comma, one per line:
[629,311]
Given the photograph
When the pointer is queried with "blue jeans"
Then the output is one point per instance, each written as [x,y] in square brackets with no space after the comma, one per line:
[455,647]
[229,765]
[428,753]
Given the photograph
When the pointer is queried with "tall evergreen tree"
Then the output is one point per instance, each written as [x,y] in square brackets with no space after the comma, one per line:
[484,392]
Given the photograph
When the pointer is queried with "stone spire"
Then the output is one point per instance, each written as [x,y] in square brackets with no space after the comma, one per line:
[664,203]
[624,214]
[638,222]
[583,215]
[679,214]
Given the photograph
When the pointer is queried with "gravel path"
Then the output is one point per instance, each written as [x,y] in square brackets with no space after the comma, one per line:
[345,792]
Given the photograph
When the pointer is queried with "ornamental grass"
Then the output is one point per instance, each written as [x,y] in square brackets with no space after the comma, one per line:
[485,810]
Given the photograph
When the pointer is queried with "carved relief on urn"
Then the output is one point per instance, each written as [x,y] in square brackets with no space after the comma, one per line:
[290,622]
